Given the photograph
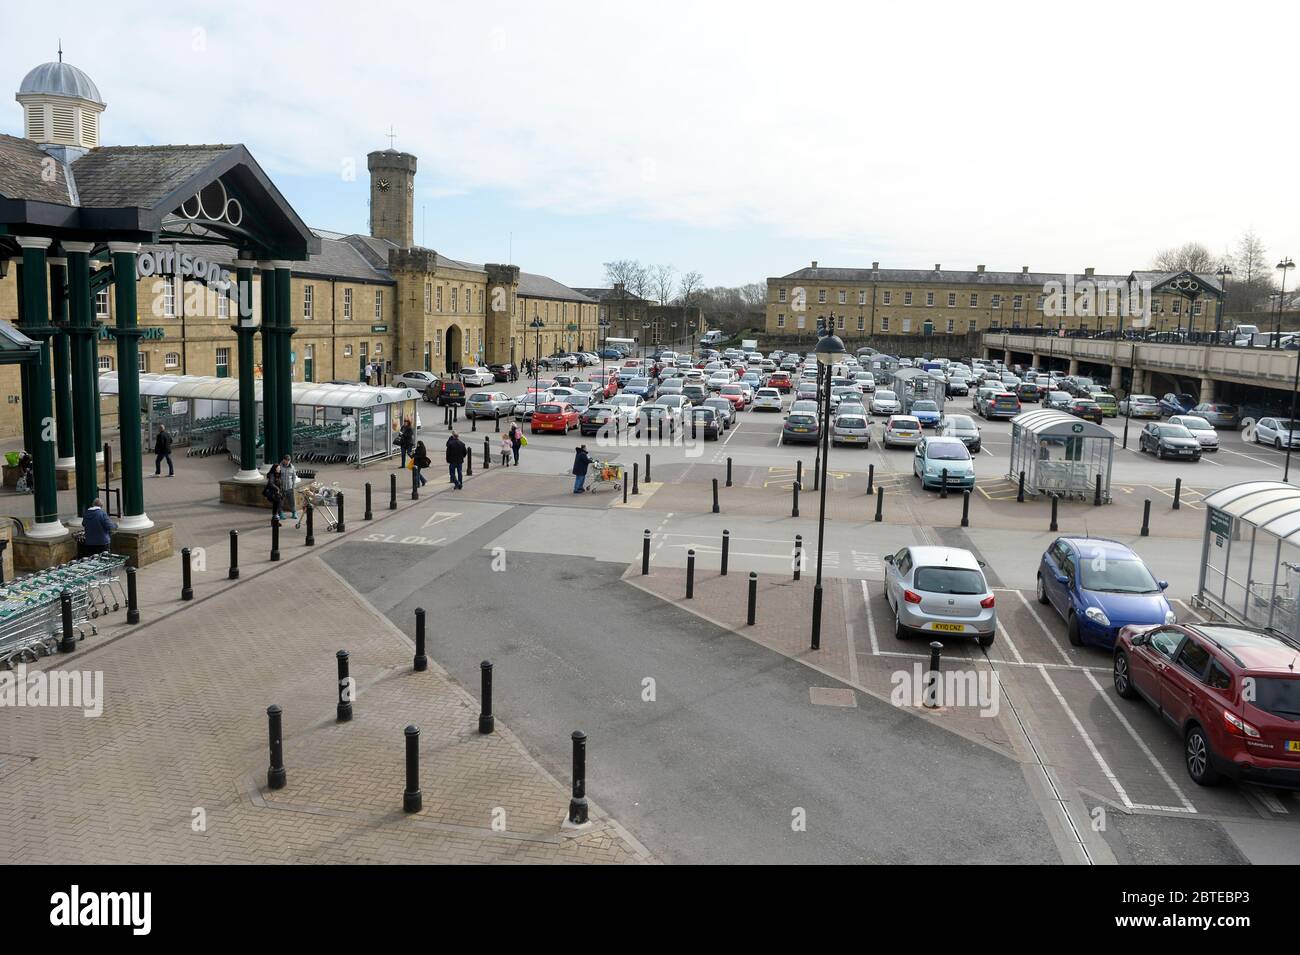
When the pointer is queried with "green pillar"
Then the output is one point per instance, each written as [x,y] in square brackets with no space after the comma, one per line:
[284,349]
[63,417]
[36,324]
[81,327]
[25,375]
[245,330]
[127,332]
[270,346]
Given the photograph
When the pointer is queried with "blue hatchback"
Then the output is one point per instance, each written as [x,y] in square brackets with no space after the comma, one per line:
[926,412]
[1099,585]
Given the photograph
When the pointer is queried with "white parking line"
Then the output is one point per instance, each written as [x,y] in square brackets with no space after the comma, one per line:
[1250,456]
[848,633]
[1039,620]
[1083,733]
[871,622]
[1014,649]
[1200,618]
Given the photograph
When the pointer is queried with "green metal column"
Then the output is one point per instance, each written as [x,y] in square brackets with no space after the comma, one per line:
[36,324]
[245,330]
[81,327]
[63,418]
[270,346]
[284,350]
[25,374]
[127,332]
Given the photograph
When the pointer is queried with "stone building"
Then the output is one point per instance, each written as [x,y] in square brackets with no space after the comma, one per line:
[645,321]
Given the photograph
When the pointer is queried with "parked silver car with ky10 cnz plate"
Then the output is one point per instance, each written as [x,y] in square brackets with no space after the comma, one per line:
[939,590]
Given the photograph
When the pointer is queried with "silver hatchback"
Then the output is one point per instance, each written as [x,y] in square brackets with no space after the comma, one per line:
[940,590]
[852,429]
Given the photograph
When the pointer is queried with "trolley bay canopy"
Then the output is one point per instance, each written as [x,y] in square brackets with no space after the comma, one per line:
[1250,557]
[351,423]
[1060,454]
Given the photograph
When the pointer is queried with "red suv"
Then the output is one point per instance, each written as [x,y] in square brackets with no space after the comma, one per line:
[779,379]
[1232,692]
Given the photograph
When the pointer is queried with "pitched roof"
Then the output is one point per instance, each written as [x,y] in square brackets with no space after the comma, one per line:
[139,176]
[28,172]
[941,276]
[543,286]
[610,294]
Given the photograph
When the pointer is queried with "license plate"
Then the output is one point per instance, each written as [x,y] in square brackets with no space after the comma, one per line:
[1293,746]
[801,430]
[951,627]
[903,434]
[848,437]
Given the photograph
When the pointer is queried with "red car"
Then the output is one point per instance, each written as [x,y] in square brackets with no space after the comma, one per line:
[1230,691]
[779,379]
[554,416]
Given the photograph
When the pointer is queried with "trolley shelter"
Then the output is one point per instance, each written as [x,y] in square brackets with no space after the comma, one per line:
[331,423]
[1250,557]
[1060,454]
[915,384]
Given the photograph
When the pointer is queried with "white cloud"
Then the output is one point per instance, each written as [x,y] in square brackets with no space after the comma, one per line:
[1053,136]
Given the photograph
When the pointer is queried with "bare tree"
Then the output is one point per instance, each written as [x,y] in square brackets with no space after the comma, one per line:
[624,271]
[1191,256]
[639,283]
[690,285]
[662,281]
[753,295]
[1252,279]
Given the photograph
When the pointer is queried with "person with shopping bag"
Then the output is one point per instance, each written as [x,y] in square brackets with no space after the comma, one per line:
[517,441]
[420,461]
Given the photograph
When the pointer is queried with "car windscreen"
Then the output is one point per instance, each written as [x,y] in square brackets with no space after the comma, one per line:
[961,423]
[1173,431]
[852,423]
[1279,696]
[1195,424]
[639,383]
[548,409]
[904,424]
[947,451]
[800,420]
[886,396]
[1117,576]
[949,580]
[1005,400]
[924,406]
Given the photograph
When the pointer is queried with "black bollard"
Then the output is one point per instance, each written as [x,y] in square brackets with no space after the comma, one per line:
[1096,493]
[339,527]
[798,555]
[794,506]
[469,463]
[636,469]
[487,455]
[415,485]
[498,421]
[726,550]
[473,422]
[1055,501]
[392,492]
[871,478]
[69,641]
[880,504]
[275,539]
[412,800]
[310,539]
[275,774]
[817,471]
[965,508]
[753,598]
[694,428]
[345,688]
[661,428]
[647,469]
[369,515]
[943,489]
[132,601]
[578,804]
[1146,518]
[624,488]
[728,472]
[932,678]
[798,472]
[187,577]
[421,661]
[716,509]
[234,555]
[645,553]
[486,721]
[1178,492]
[1020,492]
[690,573]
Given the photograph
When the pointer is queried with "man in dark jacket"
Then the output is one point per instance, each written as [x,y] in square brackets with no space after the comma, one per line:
[456,452]
[581,462]
[162,449]
[98,527]
[406,439]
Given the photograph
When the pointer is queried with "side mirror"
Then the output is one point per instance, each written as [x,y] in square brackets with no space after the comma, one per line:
[1140,640]
[1164,584]
[889,558]
[1062,579]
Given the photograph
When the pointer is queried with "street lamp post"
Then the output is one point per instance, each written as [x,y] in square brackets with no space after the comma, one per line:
[830,352]
[536,325]
[604,333]
[1224,273]
[645,332]
[1286,265]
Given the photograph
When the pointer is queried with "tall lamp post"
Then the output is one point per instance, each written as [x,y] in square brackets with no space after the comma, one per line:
[1285,266]
[536,325]
[645,332]
[604,333]
[829,352]
[1224,273]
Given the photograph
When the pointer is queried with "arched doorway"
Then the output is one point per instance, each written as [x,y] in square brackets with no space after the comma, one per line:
[455,345]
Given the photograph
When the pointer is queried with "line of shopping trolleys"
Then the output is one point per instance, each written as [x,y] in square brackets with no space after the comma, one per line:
[31,619]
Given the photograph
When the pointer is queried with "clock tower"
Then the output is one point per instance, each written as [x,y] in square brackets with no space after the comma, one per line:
[392,196]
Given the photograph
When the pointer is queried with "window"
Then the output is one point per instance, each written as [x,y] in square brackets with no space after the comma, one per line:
[996,301]
[223,305]
[1041,299]
[1018,302]
[1178,306]
[101,303]
[172,360]
[347,351]
[888,298]
[974,299]
[438,299]
[884,323]
[428,298]
[169,299]
[862,323]
[1155,306]
[970,325]
[347,304]
[952,299]
[223,362]
[453,300]
[308,301]
[907,298]
[1196,308]
[862,296]
[1193,658]
[780,319]
[952,326]
[780,295]
[929,299]
[1165,642]
[379,304]
[144,362]
[437,342]
[379,348]
[907,325]
[105,363]
[844,297]
[841,323]
[800,320]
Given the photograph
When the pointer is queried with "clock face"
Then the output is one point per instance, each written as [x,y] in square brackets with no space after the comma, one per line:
[383,185]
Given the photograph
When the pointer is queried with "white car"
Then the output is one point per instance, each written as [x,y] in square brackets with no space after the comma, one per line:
[419,380]
[1201,430]
[885,402]
[902,431]
[477,376]
[1279,432]
[629,407]
[767,399]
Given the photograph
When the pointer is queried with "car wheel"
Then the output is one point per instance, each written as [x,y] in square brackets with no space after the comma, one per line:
[1072,628]
[1277,443]
[900,631]
[1198,758]
[1042,591]
[1123,679]
[986,639]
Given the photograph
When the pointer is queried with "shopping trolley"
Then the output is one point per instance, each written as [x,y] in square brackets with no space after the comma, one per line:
[31,619]
[323,499]
[608,476]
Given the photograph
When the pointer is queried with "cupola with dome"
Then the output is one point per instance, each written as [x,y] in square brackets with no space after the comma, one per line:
[61,106]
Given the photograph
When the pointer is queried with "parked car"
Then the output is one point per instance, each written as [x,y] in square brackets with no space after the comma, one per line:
[445,391]
[725,409]
[767,399]
[1107,403]
[800,428]
[554,416]
[705,423]
[489,404]
[597,417]
[1201,430]
[940,590]
[645,387]
[1085,408]
[1219,414]
[1001,405]
[419,380]
[1231,692]
[885,402]
[694,392]
[964,429]
[901,431]
[851,428]
[1141,406]
[1099,586]
[806,391]
[735,394]
[628,408]
[1279,432]
[503,371]
[1058,400]
[674,407]
[926,412]
[1027,391]
[1169,441]
[938,458]
[1177,403]
[477,376]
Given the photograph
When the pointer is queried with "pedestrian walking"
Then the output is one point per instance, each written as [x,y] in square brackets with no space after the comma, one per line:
[98,529]
[420,460]
[289,485]
[406,440]
[517,440]
[581,462]
[162,449]
[507,449]
[274,491]
[456,452]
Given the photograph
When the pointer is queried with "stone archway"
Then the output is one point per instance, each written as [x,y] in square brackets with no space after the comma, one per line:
[454,346]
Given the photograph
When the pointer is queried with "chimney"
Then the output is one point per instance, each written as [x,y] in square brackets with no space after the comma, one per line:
[814,265]
[875,266]
[937,268]
[979,268]
[618,287]
[1024,270]
[1089,271]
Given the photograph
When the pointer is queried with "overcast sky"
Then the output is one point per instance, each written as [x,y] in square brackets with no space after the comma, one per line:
[738,139]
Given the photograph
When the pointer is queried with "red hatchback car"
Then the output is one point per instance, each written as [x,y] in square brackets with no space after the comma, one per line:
[1233,693]
[781,380]
[554,416]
